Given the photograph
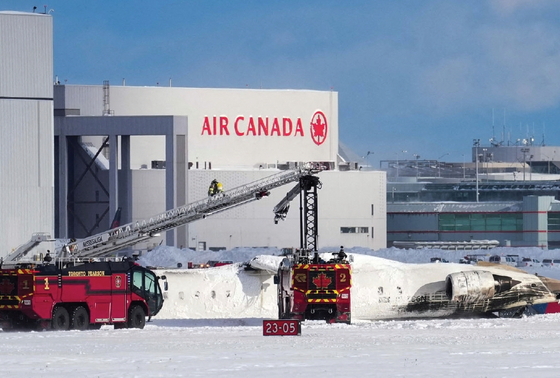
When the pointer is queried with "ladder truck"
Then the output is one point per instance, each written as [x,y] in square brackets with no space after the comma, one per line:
[79,288]
[309,287]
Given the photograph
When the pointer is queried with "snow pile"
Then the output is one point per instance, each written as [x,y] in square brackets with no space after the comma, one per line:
[228,291]
[267,263]
[169,257]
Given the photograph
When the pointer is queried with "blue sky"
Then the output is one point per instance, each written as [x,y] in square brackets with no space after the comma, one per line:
[420,76]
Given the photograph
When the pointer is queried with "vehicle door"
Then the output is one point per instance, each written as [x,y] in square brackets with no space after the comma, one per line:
[144,284]
[118,296]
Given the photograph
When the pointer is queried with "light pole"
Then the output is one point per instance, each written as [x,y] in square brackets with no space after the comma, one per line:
[548,160]
[525,151]
[404,152]
[439,164]
[416,156]
[463,155]
[489,159]
[367,159]
[476,144]
[484,161]
[531,168]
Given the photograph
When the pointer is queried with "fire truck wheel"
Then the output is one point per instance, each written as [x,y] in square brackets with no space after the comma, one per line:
[136,317]
[60,319]
[80,318]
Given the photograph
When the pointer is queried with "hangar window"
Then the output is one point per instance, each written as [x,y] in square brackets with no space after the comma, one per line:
[462,222]
[553,221]
[447,222]
[477,222]
[509,223]
[482,222]
[493,222]
[353,230]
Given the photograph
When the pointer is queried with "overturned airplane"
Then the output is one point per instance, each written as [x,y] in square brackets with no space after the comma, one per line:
[387,289]
[381,289]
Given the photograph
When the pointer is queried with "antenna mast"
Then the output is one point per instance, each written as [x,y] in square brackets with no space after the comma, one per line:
[504,128]
[493,133]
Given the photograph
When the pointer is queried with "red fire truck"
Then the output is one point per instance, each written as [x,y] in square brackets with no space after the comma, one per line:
[71,291]
[78,296]
[309,287]
[319,291]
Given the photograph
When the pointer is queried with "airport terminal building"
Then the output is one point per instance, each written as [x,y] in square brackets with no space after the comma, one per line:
[511,195]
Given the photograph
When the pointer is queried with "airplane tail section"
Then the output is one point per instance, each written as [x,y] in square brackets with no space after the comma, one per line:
[117,219]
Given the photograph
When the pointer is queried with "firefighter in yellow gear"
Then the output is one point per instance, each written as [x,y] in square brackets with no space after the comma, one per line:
[215,188]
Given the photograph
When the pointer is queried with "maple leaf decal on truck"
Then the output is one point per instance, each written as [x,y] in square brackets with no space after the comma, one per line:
[321,281]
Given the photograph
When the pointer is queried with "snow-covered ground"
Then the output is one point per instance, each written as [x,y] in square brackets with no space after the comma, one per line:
[235,346]
[528,347]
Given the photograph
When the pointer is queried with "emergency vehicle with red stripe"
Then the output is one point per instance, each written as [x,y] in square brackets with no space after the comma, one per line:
[79,287]
[310,287]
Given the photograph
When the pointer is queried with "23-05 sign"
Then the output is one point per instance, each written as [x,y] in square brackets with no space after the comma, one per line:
[281,328]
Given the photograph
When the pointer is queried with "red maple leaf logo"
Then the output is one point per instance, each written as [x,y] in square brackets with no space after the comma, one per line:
[321,281]
[318,127]
[6,287]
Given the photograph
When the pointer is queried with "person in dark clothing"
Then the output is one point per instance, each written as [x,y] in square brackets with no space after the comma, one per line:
[215,188]
[341,254]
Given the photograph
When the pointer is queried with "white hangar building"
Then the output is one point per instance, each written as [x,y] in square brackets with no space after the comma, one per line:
[168,144]
[26,128]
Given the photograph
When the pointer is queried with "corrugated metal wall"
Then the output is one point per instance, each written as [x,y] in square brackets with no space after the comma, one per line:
[26,52]
[26,128]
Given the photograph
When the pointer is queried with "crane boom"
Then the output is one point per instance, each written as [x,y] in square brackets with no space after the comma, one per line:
[281,210]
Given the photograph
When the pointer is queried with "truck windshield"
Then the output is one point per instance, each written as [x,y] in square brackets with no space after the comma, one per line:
[145,284]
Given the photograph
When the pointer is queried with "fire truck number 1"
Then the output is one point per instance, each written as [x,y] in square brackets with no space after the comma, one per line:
[46,284]
[281,328]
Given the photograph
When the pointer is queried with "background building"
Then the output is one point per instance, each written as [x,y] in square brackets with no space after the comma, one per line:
[507,193]
[26,127]
[169,143]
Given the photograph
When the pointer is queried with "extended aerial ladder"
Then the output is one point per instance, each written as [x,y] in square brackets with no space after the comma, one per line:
[129,234]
